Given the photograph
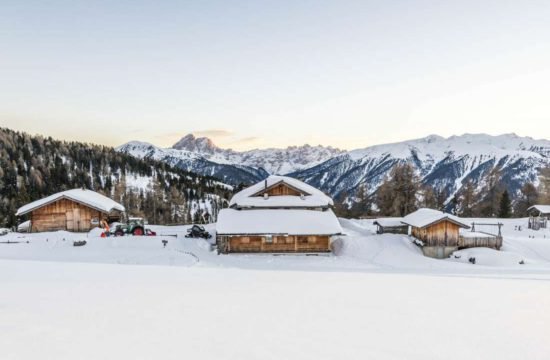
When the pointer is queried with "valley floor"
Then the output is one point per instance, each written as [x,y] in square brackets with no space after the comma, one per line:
[377,298]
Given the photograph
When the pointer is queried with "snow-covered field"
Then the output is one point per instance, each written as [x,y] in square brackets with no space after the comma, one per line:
[378,298]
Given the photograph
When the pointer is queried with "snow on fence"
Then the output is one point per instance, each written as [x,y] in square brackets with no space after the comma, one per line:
[482,235]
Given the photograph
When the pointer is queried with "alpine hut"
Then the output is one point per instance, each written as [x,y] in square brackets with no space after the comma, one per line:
[71,210]
[438,232]
[538,216]
[277,215]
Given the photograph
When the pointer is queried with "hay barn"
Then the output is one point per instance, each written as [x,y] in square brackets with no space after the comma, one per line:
[439,232]
[75,210]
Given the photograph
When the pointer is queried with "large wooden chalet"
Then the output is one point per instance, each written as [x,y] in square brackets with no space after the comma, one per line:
[277,215]
[72,210]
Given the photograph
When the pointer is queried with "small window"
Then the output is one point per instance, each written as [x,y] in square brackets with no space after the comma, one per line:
[269,239]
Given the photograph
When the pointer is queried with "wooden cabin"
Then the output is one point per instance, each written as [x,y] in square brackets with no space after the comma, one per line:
[75,210]
[441,234]
[538,216]
[438,232]
[391,226]
[278,215]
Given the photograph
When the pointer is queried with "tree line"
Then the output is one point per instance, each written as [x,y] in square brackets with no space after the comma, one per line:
[33,167]
[403,192]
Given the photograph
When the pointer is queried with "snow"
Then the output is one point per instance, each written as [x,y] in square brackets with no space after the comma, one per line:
[424,217]
[435,148]
[490,257]
[87,197]
[291,222]
[139,182]
[24,226]
[377,297]
[313,197]
[474,234]
[389,222]
[274,161]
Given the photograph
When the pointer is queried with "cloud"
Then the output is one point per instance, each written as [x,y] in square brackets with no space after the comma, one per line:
[247,140]
[216,133]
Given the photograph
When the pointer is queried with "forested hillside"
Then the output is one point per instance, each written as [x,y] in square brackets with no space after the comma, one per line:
[32,167]
[402,192]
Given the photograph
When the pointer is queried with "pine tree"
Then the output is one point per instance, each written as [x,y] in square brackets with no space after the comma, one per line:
[397,196]
[362,204]
[528,197]
[505,208]
[467,200]
[429,197]
[33,167]
[492,192]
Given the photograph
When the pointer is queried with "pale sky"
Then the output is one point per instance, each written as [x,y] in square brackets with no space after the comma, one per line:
[274,73]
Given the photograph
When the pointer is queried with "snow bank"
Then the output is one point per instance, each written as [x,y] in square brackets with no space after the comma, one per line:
[489,257]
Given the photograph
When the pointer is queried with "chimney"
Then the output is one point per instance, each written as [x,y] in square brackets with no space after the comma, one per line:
[265,183]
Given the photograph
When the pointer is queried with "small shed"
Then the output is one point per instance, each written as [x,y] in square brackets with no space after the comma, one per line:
[538,216]
[72,210]
[539,210]
[438,232]
[391,226]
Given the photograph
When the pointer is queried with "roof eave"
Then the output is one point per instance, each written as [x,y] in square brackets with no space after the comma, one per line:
[67,198]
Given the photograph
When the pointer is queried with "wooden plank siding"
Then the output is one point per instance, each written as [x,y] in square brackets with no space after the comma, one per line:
[444,233]
[278,244]
[280,190]
[64,215]
[493,242]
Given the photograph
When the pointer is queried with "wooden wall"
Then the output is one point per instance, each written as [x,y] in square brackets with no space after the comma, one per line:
[64,215]
[444,233]
[281,189]
[392,229]
[279,244]
[494,242]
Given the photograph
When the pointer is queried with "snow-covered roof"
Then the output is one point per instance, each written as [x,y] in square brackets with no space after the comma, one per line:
[86,197]
[277,221]
[312,197]
[389,222]
[425,217]
[543,209]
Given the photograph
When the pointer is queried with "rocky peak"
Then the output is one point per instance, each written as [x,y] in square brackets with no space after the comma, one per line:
[202,145]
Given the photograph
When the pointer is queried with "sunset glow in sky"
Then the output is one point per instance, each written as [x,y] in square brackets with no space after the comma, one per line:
[274,73]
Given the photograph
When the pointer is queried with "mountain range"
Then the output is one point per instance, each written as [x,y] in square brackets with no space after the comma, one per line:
[444,163]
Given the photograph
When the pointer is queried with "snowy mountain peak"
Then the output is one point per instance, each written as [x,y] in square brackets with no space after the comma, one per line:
[201,145]
[202,156]
[445,163]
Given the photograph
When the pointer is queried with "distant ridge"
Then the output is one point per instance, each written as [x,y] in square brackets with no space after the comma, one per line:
[444,163]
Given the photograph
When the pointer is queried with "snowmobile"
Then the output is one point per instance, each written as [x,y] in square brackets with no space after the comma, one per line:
[198,231]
